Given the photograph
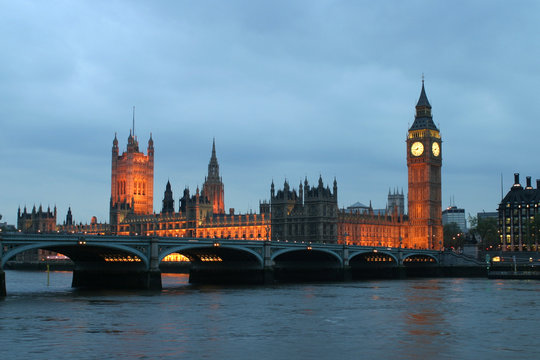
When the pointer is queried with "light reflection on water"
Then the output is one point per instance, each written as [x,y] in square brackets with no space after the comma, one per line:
[412,319]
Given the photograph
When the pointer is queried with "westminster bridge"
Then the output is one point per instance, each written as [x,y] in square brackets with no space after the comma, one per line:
[133,261]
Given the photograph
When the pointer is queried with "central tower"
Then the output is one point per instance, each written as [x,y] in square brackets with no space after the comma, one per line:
[424,161]
[213,187]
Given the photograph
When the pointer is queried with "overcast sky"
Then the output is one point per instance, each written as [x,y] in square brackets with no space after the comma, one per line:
[288,89]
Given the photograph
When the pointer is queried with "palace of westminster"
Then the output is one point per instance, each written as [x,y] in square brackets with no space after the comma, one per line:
[309,213]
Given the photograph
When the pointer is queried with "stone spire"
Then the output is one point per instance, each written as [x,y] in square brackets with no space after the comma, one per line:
[213,188]
[423,100]
[213,166]
[423,118]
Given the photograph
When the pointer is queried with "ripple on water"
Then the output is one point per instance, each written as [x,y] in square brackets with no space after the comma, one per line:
[422,318]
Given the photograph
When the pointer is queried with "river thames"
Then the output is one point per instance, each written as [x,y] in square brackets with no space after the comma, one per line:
[440,318]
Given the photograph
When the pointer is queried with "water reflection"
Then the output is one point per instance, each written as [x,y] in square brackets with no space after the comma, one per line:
[413,319]
[424,322]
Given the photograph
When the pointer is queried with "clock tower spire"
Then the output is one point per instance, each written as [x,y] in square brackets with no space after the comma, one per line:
[424,161]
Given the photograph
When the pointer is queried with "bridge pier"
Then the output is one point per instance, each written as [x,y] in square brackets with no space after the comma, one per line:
[116,279]
[347,273]
[268,264]
[401,272]
[2,283]
[268,276]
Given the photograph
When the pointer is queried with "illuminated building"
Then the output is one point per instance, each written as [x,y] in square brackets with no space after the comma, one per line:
[132,181]
[371,229]
[424,161]
[422,228]
[310,214]
[519,224]
[199,215]
[360,224]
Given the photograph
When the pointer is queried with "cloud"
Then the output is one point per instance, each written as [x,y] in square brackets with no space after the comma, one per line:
[288,89]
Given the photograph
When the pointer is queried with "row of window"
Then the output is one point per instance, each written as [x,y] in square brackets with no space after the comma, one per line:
[139,188]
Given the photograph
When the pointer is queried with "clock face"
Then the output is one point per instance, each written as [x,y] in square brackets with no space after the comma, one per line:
[417,148]
[436,149]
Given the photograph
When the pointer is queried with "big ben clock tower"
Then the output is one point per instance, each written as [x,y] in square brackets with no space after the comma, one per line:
[424,161]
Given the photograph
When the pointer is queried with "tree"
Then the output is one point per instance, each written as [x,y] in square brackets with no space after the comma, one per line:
[453,236]
[531,233]
[487,230]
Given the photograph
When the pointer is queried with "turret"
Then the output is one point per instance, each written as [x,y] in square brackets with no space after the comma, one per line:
[168,199]
[115,147]
[133,144]
[69,217]
[150,149]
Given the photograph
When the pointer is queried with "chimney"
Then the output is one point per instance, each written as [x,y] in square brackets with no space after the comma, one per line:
[529,183]
[517,185]
[538,183]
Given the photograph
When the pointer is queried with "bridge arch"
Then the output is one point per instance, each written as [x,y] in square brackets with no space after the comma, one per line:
[307,264]
[195,251]
[74,251]
[357,255]
[419,258]
[308,251]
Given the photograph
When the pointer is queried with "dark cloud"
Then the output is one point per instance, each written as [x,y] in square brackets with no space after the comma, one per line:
[288,89]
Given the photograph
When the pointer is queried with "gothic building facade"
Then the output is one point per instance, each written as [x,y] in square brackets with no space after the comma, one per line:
[201,214]
[314,215]
[310,214]
[36,221]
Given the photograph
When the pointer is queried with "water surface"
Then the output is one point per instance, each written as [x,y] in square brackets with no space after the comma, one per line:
[398,319]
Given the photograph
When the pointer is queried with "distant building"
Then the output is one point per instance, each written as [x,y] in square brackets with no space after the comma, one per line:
[37,220]
[396,202]
[359,208]
[519,224]
[452,214]
[487,215]
[394,205]
[4,226]
[310,215]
